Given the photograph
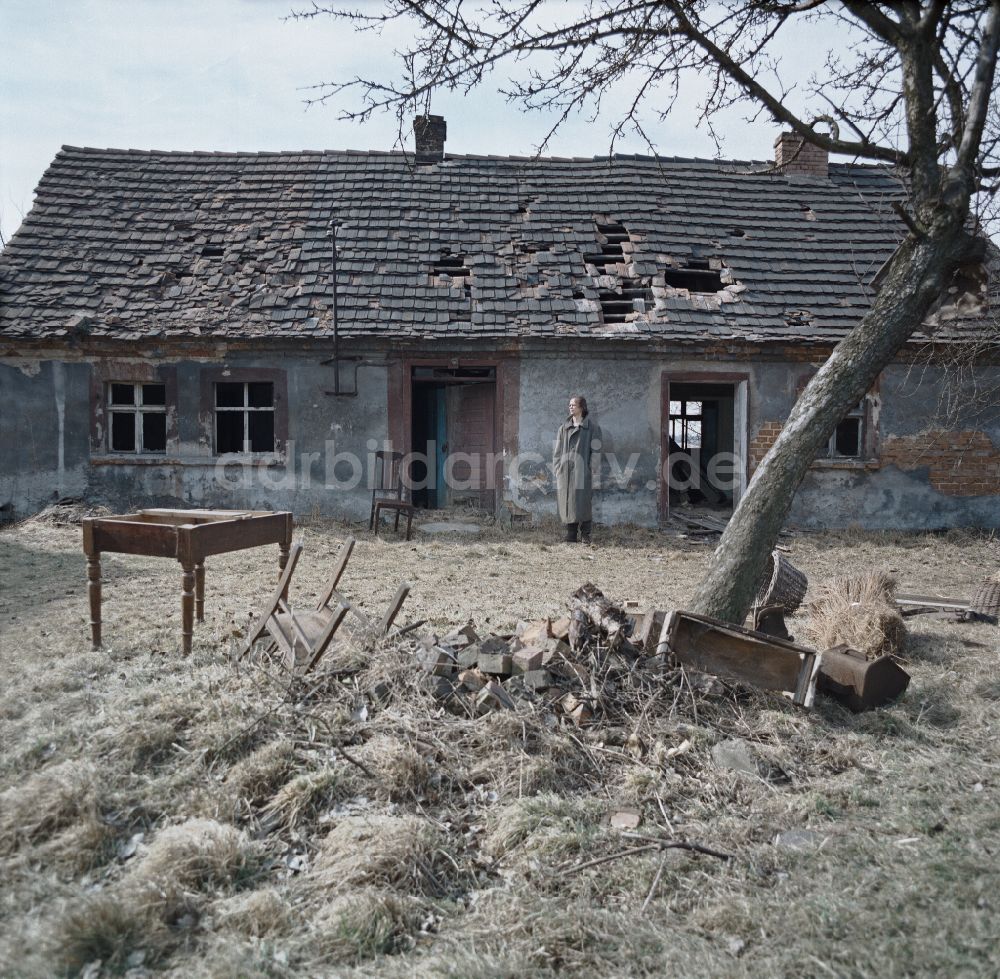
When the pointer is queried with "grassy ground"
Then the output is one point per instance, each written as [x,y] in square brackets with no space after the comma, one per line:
[184,817]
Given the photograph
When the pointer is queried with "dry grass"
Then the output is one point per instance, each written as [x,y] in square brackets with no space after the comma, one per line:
[199,854]
[52,800]
[286,831]
[858,610]
[404,853]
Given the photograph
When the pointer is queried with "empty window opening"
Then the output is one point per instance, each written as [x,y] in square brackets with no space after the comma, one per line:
[138,417]
[244,416]
[696,276]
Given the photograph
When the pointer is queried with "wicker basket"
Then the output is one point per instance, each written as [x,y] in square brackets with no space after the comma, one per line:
[782,585]
[986,601]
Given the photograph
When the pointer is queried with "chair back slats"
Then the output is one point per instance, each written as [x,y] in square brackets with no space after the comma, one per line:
[294,552]
[394,606]
[338,572]
[303,637]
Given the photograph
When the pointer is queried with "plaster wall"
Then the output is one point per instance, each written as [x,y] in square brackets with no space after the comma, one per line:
[44,448]
[49,449]
[897,492]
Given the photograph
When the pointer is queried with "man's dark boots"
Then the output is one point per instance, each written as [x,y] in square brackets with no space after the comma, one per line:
[585,527]
[571,533]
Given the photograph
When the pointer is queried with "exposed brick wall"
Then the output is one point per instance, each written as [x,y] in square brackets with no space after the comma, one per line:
[963,463]
[766,435]
[793,155]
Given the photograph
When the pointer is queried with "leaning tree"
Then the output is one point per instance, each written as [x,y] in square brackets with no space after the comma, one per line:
[910,86]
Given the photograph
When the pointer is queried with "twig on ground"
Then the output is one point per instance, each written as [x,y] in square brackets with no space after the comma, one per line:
[575,868]
[654,885]
[679,845]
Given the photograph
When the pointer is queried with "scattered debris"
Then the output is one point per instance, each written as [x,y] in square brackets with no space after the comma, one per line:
[726,650]
[858,682]
[736,755]
[625,819]
[986,601]
[771,621]
[799,839]
[783,586]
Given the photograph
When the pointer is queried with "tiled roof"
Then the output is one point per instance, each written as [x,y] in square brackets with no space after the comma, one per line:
[129,244]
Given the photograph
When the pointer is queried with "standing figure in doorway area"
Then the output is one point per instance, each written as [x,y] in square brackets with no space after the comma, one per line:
[574,482]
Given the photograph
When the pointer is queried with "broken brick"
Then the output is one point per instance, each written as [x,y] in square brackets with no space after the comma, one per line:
[438,661]
[537,679]
[493,696]
[537,632]
[527,659]
[499,664]
[560,627]
[473,680]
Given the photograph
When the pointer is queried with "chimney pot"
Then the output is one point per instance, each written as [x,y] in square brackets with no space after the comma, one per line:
[429,133]
[793,155]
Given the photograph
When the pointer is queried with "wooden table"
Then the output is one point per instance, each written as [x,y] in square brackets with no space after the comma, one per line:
[187,535]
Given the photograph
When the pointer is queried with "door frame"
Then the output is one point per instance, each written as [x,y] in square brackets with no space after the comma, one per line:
[505,391]
[741,426]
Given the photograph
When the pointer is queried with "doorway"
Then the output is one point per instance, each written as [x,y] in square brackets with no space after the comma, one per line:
[703,440]
[453,436]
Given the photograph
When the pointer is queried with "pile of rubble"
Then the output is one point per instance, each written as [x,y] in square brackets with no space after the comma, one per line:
[594,662]
[599,663]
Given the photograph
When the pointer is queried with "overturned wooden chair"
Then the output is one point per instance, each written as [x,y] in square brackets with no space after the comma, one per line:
[303,637]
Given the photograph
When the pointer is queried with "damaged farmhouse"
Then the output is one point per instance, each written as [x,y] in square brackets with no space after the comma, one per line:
[249,329]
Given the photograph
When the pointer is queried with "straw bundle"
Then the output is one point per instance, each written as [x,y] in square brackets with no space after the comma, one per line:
[858,610]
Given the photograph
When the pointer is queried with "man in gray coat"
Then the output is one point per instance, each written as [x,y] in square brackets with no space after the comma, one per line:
[574,480]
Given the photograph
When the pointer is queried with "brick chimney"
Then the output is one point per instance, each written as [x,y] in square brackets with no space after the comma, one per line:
[429,134]
[794,156]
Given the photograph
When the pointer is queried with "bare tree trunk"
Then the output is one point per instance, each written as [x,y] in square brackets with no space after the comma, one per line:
[918,273]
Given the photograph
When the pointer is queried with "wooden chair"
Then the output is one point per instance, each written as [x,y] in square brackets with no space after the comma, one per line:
[303,637]
[388,492]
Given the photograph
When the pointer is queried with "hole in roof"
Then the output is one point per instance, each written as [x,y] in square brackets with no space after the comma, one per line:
[450,266]
[617,304]
[696,276]
[737,233]
[212,251]
[611,251]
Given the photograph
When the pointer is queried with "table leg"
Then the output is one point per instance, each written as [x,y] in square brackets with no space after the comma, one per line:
[199,591]
[94,589]
[187,607]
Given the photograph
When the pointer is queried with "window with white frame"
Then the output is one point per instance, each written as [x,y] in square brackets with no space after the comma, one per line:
[244,416]
[685,424]
[137,417]
[849,437]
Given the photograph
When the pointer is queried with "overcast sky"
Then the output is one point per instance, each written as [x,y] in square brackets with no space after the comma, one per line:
[231,74]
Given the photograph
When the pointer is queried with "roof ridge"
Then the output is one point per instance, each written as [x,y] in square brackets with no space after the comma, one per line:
[488,157]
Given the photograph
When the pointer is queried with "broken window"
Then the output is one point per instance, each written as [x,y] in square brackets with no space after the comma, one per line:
[244,416]
[696,276]
[856,435]
[848,439]
[685,424]
[137,417]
